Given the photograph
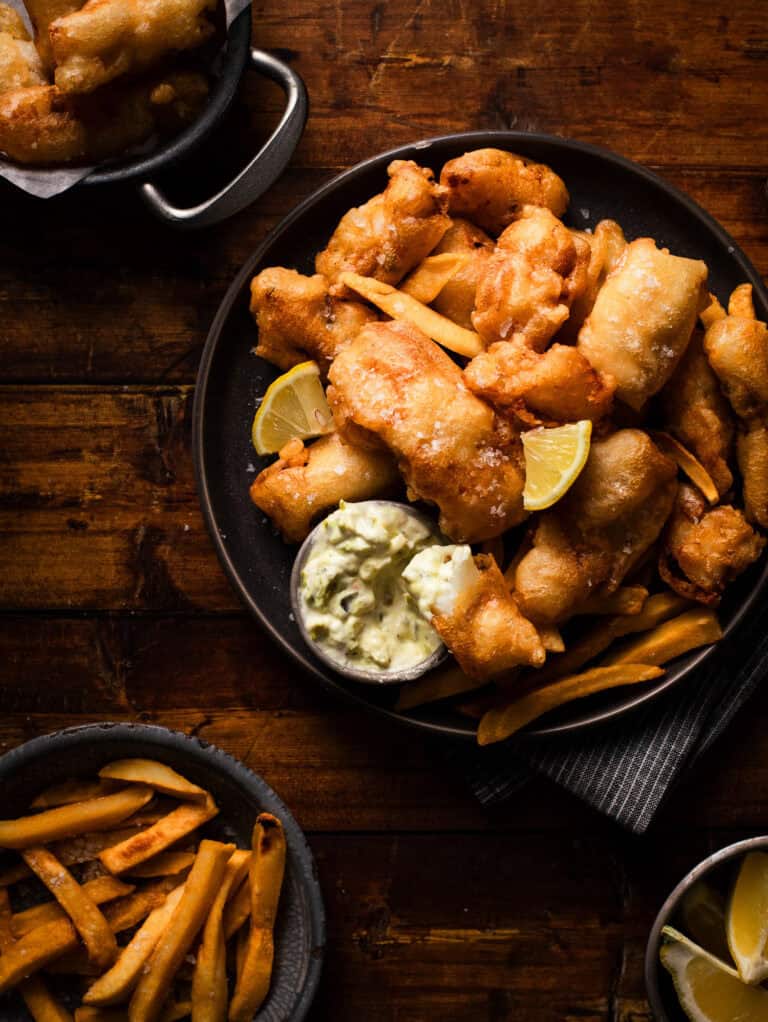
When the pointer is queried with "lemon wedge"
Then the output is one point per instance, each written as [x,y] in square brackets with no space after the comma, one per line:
[703,916]
[553,460]
[294,407]
[747,918]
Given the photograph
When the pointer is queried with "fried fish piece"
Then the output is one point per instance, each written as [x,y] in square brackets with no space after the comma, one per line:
[643,318]
[527,286]
[696,412]
[394,387]
[305,481]
[457,298]
[391,233]
[709,547]
[490,187]
[109,38]
[602,527]
[606,246]
[42,13]
[298,319]
[20,65]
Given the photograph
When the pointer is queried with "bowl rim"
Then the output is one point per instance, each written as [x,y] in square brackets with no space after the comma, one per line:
[69,738]
[473,139]
[652,967]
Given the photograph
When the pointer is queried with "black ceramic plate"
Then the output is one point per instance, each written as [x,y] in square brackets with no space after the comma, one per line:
[232,379]
[240,795]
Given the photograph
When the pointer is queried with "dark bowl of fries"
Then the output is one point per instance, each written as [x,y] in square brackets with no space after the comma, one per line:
[142,870]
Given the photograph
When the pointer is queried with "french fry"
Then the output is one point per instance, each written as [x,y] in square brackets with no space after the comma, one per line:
[40,1002]
[241,946]
[35,950]
[81,909]
[164,864]
[69,820]
[688,463]
[502,721]
[158,775]
[177,824]
[439,684]
[7,935]
[432,274]
[171,1013]
[100,890]
[401,306]
[627,600]
[203,882]
[266,879]
[695,628]
[117,984]
[127,912]
[209,982]
[237,910]
[72,791]
[71,851]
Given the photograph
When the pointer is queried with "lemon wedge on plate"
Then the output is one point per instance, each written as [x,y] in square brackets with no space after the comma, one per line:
[553,460]
[747,918]
[294,407]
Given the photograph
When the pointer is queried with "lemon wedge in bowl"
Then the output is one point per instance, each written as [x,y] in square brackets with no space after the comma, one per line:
[553,460]
[747,919]
[293,407]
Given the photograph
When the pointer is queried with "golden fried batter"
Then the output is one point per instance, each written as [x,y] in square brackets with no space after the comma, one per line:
[299,320]
[306,481]
[108,38]
[395,387]
[490,187]
[20,65]
[643,318]
[606,246]
[529,282]
[709,546]
[612,514]
[457,298]
[392,232]
[42,13]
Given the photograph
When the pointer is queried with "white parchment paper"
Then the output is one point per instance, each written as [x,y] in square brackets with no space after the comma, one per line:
[45,183]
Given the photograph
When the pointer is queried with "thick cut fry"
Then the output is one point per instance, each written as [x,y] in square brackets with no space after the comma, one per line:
[158,837]
[440,684]
[209,982]
[79,906]
[72,851]
[266,876]
[689,464]
[127,912]
[118,983]
[164,864]
[200,890]
[237,910]
[100,890]
[401,306]
[627,600]
[72,791]
[35,950]
[695,628]
[40,1002]
[501,722]
[430,277]
[158,775]
[66,821]
[171,1013]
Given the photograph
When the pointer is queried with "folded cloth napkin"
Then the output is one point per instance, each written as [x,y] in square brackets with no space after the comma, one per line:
[625,768]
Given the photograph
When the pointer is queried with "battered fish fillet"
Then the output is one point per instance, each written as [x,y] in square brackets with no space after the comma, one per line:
[42,13]
[737,349]
[606,246]
[705,549]
[643,318]
[695,411]
[108,38]
[392,232]
[611,515]
[557,385]
[527,286]
[490,187]
[306,481]
[20,65]
[396,388]
[457,298]
[298,319]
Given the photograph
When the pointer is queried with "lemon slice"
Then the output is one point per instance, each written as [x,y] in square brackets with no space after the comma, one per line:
[709,991]
[553,460]
[703,916]
[747,918]
[294,407]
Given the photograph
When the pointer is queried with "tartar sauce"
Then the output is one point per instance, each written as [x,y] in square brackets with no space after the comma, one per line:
[353,601]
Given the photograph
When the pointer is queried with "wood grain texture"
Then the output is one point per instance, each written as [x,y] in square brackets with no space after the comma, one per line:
[113,605]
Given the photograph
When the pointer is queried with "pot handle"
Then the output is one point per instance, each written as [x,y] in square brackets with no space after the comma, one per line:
[263,170]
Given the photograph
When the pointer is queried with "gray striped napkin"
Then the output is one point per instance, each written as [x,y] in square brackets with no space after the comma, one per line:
[624,769]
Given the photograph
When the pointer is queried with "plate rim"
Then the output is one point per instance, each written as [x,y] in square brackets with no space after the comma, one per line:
[476,139]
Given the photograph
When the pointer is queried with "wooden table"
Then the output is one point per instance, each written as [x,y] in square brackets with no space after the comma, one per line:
[114,605]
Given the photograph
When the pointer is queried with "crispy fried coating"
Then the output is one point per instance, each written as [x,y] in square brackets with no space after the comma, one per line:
[12,23]
[392,232]
[457,298]
[643,318]
[109,38]
[490,187]
[696,412]
[706,548]
[395,387]
[612,514]
[557,385]
[306,481]
[20,65]
[298,319]
[42,13]
[606,246]
[527,285]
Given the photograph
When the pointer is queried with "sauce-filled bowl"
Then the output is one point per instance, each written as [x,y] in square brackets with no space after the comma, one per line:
[348,599]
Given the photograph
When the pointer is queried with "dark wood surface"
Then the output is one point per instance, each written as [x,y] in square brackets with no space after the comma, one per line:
[113,605]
